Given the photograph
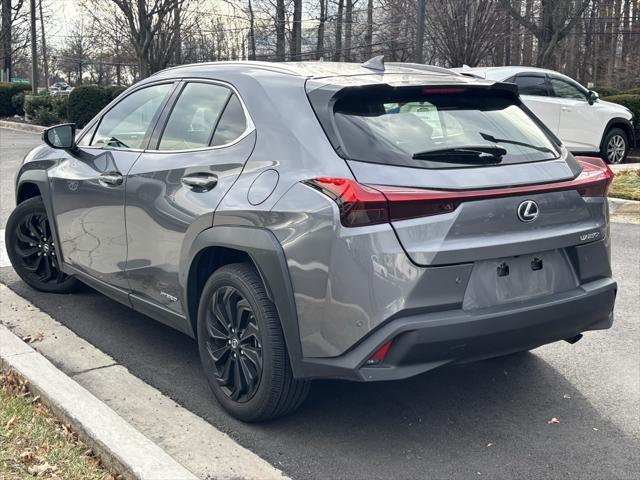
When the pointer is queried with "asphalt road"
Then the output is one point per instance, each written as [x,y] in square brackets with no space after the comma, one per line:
[482,420]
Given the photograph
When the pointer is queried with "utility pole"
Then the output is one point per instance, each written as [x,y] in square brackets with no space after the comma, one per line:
[422,6]
[34,50]
[45,60]
[5,73]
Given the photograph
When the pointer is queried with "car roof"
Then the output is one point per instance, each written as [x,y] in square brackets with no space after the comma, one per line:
[504,72]
[320,72]
[314,69]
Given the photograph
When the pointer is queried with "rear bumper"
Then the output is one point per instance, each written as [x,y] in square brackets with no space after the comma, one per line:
[426,341]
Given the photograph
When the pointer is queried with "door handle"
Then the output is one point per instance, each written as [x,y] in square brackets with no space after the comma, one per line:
[111,179]
[566,109]
[200,182]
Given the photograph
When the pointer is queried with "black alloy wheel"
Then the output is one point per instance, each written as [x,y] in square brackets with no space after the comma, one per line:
[32,249]
[234,344]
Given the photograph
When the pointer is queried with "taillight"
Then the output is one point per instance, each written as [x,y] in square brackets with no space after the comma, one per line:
[358,204]
[373,204]
[596,177]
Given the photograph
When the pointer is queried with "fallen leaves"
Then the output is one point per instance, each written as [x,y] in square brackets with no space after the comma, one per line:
[44,469]
[33,337]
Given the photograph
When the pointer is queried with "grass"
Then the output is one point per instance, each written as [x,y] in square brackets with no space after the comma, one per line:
[33,443]
[626,184]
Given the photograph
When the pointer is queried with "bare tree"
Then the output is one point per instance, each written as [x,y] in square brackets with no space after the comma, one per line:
[556,18]
[337,55]
[465,31]
[154,28]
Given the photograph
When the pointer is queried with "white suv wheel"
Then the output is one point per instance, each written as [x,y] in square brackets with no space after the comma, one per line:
[616,148]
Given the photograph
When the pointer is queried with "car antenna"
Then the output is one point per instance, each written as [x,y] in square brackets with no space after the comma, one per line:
[375,63]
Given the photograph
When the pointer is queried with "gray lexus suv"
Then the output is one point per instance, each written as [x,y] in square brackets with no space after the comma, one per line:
[322,220]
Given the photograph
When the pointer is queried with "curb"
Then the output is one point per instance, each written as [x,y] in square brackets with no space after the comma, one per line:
[23,127]
[121,447]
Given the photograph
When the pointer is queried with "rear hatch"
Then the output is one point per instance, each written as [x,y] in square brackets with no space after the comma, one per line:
[468,173]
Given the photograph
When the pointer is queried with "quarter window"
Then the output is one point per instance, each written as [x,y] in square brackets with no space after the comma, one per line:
[232,123]
[126,124]
[563,89]
[532,85]
[194,116]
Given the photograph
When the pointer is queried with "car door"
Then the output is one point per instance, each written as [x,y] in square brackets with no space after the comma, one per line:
[580,125]
[89,186]
[534,91]
[196,153]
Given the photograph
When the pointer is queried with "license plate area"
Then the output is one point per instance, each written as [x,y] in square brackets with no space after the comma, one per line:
[514,279]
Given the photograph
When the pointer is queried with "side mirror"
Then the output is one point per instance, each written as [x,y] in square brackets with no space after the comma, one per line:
[61,136]
[592,97]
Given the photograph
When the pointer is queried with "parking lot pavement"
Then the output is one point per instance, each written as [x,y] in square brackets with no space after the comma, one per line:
[487,419]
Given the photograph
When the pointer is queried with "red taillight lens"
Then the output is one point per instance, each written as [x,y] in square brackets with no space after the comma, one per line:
[372,204]
[595,179]
[379,354]
[359,204]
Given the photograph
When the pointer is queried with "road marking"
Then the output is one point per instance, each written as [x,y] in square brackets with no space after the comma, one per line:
[4,258]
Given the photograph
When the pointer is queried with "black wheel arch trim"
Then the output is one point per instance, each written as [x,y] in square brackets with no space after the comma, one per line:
[40,179]
[629,130]
[264,249]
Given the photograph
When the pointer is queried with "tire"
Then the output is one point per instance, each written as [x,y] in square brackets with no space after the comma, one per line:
[246,363]
[615,146]
[33,254]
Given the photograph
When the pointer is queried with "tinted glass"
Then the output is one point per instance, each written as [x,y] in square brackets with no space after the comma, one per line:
[563,89]
[392,128]
[125,125]
[528,85]
[232,124]
[194,117]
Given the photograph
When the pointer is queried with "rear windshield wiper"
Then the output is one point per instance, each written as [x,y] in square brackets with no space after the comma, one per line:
[491,138]
[477,154]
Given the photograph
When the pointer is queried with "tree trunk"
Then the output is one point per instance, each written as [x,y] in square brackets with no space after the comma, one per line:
[348,29]
[45,59]
[34,50]
[527,50]
[252,34]
[422,6]
[337,54]
[296,31]
[321,27]
[5,48]
[280,13]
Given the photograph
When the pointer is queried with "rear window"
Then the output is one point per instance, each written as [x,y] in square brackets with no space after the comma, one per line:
[438,128]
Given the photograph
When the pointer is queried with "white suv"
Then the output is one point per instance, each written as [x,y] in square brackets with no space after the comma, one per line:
[573,113]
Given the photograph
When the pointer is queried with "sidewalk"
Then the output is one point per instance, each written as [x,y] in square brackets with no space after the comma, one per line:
[144,434]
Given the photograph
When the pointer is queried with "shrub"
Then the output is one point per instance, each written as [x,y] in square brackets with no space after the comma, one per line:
[632,102]
[85,102]
[114,90]
[18,103]
[633,91]
[44,116]
[33,102]
[60,107]
[7,91]
[605,91]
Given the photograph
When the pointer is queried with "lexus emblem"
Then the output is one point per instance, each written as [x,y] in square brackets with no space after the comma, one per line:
[528,211]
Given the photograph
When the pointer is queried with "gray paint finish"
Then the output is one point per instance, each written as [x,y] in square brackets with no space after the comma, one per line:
[339,288]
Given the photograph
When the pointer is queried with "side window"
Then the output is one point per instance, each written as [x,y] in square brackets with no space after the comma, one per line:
[563,89]
[232,123]
[194,116]
[532,85]
[125,125]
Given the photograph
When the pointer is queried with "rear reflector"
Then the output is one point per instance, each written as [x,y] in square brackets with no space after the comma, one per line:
[373,204]
[379,354]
